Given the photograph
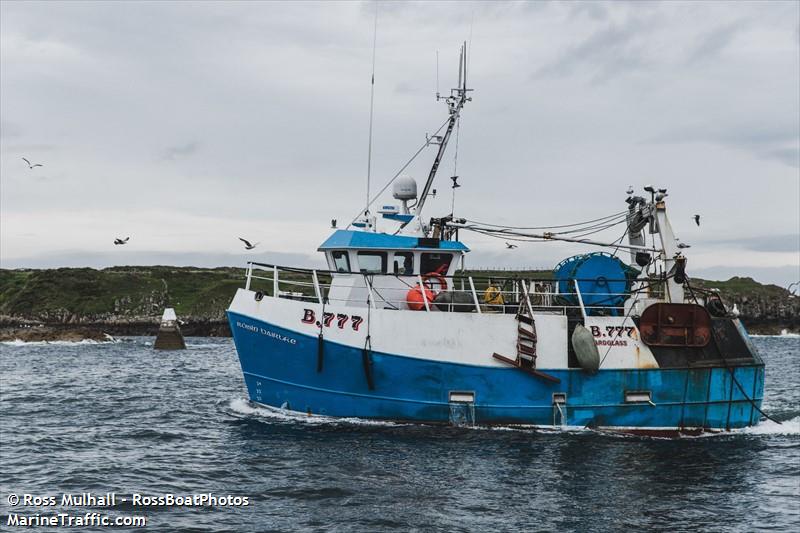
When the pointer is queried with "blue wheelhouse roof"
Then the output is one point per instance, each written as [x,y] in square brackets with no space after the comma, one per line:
[345,239]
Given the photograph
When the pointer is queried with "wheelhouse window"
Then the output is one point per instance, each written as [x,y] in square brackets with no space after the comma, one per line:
[435,262]
[404,263]
[341,261]
[372,262]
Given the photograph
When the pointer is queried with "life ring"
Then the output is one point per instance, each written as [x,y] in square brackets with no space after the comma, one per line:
[441,280]
[416,296]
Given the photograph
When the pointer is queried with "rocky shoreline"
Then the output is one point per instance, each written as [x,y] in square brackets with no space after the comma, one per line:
[39,332]
[87,304]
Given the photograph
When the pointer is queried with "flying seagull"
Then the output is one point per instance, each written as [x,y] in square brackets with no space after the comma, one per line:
[630,190]
[696,219]
[456,185]
[510,246]
[31,167]
[119,241]
[247,245]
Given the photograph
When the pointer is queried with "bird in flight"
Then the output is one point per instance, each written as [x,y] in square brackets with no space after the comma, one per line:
[333,223]
[630,189]
[119,241]
[31,167]
[247,245]
[510,246]
[456,185]
[696,219]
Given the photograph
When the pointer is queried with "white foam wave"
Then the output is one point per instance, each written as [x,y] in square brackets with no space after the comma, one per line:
[243,407]
[526,428]
[783,335]
[19,342]
[768,427]
[205,345]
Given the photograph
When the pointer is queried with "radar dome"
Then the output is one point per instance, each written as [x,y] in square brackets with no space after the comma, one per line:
[405,188]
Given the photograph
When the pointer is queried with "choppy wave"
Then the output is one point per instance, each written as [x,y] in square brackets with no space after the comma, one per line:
[782,335]
[19,342]
[242,407]
[768,427]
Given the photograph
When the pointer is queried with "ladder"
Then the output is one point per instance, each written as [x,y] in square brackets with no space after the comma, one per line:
[526,339]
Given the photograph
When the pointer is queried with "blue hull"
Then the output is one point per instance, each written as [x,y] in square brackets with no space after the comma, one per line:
[280,370]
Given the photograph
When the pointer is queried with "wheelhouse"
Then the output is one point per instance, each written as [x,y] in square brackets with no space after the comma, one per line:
[401,261]
[401,255]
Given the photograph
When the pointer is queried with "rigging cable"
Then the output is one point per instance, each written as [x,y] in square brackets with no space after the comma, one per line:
[366,352]
[455,168]
[601,219]
[731,371]
[581,232]
[413,157]
[371,105]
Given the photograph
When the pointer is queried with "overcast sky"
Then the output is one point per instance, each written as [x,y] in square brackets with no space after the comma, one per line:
[187,125]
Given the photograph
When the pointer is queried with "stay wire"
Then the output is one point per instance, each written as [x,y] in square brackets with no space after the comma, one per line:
[413,157]
[455,168]
[549,227]
[371,105]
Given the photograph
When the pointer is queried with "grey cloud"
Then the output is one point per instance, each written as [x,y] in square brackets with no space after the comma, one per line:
[29,148]
[404,87]
[779,142]
[764,243]
[788,156]
[709,45]
[198,259]
[265,107]
[592,9]
[607,53]
[10,129]
[172,153]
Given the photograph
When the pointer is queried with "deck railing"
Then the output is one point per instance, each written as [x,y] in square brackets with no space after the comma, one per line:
[465,293]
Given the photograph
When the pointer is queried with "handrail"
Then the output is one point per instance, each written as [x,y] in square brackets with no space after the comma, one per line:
[423,292]
[316,287]
[580,300]
[300,270]
[536,294]
[474,295]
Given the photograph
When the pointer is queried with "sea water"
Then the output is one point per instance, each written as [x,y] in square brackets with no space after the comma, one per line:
[122,418]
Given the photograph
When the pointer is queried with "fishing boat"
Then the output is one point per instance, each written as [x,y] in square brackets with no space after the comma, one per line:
[395,328]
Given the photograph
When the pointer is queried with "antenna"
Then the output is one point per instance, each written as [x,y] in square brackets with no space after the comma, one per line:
[460,66]
[464,59]
[437,75]
[371,105]
[455,102]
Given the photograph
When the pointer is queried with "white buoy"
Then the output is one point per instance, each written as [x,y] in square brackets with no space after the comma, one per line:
[169,333]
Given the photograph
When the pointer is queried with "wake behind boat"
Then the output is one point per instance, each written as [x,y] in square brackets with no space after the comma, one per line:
[395,330]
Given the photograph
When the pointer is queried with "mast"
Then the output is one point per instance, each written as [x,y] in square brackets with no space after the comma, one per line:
[455,102]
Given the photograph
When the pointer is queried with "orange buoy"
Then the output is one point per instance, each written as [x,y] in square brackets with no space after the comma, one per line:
[414,298]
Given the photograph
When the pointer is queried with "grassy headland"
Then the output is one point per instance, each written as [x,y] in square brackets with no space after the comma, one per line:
[129,300]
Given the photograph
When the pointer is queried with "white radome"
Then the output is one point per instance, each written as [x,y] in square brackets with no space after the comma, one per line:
[405,188]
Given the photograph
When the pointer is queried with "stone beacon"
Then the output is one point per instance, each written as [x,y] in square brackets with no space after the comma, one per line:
[169,334]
